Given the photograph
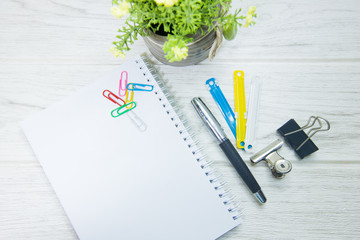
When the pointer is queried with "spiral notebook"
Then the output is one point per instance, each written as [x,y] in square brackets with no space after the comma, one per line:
[118,180]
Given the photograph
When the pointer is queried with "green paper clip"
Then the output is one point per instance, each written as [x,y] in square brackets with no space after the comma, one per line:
[123,109]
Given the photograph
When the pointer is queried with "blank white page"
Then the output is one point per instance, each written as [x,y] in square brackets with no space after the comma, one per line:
[117,182]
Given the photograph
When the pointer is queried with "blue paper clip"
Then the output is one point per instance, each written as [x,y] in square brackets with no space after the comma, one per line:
[223,105]
[139,87]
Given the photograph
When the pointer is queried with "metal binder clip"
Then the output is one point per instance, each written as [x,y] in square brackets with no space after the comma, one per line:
[299,140]
[277,164]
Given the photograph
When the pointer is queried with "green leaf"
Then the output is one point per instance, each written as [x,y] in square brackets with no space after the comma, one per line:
[185,17]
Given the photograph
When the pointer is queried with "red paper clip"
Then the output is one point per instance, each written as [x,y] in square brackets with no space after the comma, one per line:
[123,84]
[108,94]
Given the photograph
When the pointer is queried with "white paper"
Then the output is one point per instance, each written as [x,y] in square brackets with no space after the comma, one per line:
[116,182]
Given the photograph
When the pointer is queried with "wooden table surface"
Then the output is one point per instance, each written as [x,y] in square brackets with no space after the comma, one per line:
[306,52]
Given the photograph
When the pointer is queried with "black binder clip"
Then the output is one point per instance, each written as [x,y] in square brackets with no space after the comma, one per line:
[299,140]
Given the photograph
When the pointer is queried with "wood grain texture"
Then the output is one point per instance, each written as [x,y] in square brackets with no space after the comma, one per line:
[306,52]
[81,31]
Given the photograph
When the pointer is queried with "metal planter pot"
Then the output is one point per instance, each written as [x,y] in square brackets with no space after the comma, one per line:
[198,49]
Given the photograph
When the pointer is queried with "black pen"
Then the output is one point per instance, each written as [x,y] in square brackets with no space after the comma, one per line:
[227,147]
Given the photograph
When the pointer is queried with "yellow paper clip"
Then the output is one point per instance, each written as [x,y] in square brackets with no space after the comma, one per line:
[240,108]
[129,97]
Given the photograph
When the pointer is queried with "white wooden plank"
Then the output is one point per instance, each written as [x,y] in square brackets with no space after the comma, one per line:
[298,31]
[306,52]
[307,203]
[82,31]
[29,208]
[314,200]
[290,91]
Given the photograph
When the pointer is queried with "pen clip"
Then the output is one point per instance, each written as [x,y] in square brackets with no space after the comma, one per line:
[240,107]
[139,87]
[222,103]
[108,94]
[123,83]
[252,114]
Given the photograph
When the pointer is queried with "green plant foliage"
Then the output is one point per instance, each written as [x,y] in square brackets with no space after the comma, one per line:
[230,23]
[175,48]
[178,18]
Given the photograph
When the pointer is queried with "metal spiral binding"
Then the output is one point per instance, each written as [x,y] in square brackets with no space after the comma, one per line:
[167,100]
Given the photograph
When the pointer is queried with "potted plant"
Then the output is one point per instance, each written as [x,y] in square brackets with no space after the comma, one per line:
[178,32]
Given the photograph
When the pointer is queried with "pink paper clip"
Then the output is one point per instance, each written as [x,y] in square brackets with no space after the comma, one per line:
[123,84]
[108,94]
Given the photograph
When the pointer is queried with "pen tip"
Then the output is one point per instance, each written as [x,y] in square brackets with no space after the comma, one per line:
[260,196]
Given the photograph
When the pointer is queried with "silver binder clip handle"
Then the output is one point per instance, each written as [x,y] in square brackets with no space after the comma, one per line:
[277,164]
